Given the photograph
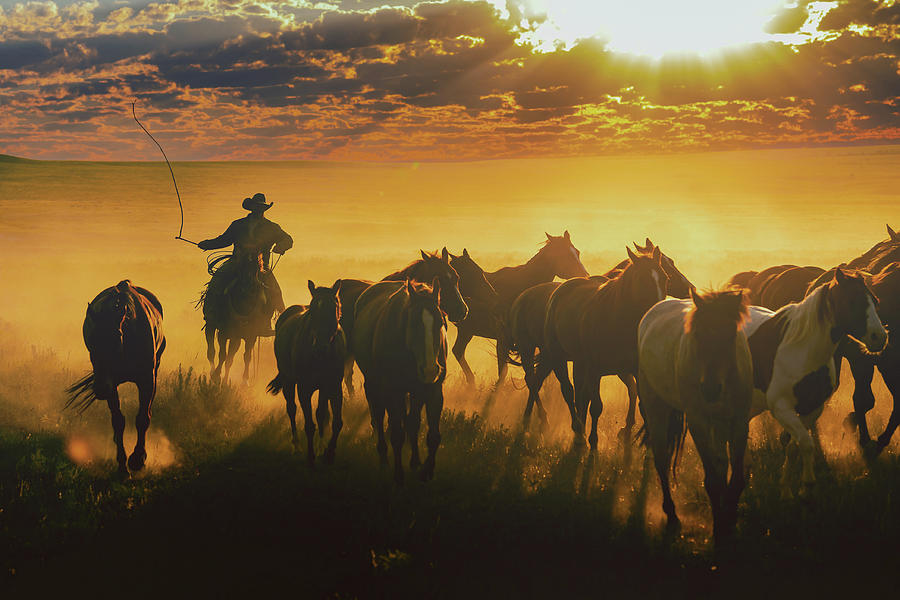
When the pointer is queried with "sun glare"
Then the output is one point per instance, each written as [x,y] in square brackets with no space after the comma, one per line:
[651,28]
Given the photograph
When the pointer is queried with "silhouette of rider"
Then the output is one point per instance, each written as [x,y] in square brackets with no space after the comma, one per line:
[253,236]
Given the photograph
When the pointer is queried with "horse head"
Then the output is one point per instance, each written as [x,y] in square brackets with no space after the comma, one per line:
[713,324]
[106,320]
[472,282]
[438,266]
[679,286]
[645,278]
[324,315]
[562,256]
[426,330]
[853,310]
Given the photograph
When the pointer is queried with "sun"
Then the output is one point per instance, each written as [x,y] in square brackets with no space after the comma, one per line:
[650,28]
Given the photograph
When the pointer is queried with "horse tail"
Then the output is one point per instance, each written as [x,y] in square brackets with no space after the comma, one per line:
[676,432]
[81,393]
[508,341]
[275,386]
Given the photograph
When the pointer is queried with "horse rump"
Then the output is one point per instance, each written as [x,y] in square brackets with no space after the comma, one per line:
[81,393]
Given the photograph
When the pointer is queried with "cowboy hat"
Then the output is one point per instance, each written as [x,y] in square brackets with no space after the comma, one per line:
[257,202]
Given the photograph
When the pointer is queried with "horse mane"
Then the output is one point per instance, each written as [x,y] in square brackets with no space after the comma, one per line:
[405,272]
[811,313]
[730,305]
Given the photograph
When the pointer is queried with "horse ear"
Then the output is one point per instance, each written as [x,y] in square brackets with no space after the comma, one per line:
[895,237]
[566,235]
[424,254]
[445,256]
[466,253]
[697,298]
[631,255]
[657,255]
[839,275]
[549,237]
[648,243]
[636,247]
[337,286]
[312,286]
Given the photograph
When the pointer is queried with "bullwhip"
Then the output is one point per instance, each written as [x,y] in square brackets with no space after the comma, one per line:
[171,172]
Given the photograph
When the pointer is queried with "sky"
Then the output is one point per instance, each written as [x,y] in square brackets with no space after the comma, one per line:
[398,80]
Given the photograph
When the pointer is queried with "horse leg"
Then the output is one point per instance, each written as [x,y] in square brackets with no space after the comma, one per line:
[783,411]
[249,342]
[413,424]
[396,416]
[658,418]
[463,337]
[146,392]
[335,397]
[502,363]
[561,370]
[222,340]
[862,368]
[288,390]
[376,412]
[891,375]
[210,333]
[630,383]
[592,391]
[118,425]
[433,407]
[534,380]
[323,415]
[737,448]
[711,446]
[233,344]
[309,426]
[348,377]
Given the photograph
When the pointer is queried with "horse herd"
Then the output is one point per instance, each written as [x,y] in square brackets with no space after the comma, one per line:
[704,362]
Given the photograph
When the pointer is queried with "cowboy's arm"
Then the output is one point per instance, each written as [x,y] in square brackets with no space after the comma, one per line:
[283,242]
[223,241]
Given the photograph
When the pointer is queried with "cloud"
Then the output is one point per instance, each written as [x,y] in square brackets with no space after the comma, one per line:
[357,80]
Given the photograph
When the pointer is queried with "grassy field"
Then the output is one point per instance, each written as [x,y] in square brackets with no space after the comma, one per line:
[226,508]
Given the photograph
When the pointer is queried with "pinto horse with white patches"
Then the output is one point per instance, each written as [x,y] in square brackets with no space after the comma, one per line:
[695,363]
[793,351]
[123,334]
[399,340]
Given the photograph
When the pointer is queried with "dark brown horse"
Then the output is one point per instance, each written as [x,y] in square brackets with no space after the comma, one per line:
[400,344]
[594,325]
[525,329]
[425,270]
[310,349]
[473,284]
[557,258]
[123,334]
[244,307]
[880,255]
[695,362]
[776,286]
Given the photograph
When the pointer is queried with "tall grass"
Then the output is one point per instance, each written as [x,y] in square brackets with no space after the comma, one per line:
[230,509]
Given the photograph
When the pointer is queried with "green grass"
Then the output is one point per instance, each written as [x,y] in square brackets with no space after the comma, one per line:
[231,510]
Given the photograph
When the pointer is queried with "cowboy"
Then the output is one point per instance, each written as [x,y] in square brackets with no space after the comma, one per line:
[254,236]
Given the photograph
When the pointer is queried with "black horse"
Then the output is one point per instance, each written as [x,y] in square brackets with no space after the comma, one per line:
[310,350]
[123,334]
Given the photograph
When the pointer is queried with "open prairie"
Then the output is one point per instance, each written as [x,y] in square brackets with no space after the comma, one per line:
[224,505]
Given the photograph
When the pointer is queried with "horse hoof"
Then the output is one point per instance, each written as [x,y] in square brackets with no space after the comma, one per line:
[136,461]
[871,450]
[328,458]
[122,473]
